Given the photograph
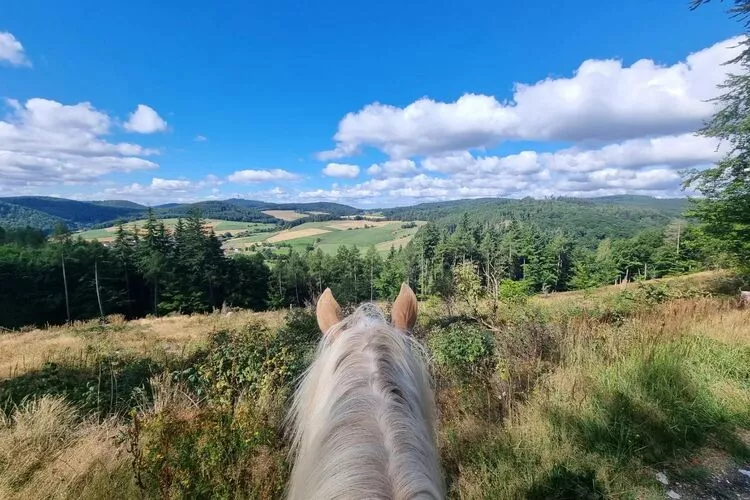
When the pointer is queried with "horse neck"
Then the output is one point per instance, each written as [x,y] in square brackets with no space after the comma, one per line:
[363,420]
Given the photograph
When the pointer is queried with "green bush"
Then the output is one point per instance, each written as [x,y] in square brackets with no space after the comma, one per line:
[462,349]
[209,453]
[230,445]
[515,291]
[254,359]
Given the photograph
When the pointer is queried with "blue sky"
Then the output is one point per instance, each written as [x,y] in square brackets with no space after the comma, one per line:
[368,104]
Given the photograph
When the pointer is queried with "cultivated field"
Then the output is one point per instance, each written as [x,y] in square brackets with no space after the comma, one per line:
[329,235]
[286,215]
[600,394]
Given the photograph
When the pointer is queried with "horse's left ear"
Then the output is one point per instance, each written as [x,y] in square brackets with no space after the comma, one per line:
[404,312]
[327,311]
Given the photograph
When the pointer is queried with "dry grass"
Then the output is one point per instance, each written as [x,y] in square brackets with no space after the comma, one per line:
[658,386]
[397,243]
[294,234]
[285,215]
[82,342]
[45,452]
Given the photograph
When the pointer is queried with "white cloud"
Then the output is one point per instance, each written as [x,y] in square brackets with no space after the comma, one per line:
[161,190]
[525,162]
[603,101]
[44,142]
[170,184]
[341,170]
[144,120]
[251,176]
[200,138]
[638,166]
[680,151]
[393,168]
[11,50]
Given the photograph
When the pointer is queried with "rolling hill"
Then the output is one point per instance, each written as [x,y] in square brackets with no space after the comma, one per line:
[588,218]
[45,212]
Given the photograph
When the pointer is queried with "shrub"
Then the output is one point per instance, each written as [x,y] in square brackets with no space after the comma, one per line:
[515,291]
[230,444]
[462,349]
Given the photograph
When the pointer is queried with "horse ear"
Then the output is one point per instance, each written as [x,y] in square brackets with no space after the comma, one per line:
[404,312]
[327,311]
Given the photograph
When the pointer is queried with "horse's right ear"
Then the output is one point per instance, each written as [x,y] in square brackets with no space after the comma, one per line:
[404,312]
[327,311]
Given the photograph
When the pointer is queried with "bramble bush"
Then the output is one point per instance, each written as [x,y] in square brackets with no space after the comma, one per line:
[220,434]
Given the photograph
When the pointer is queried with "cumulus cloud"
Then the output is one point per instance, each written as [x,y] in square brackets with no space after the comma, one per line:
[44,142]
[144,120]
[253,176]
[343,170]
[641,166]
[161,190]
[393,168]
[603,101]
[11,50]
[679,151]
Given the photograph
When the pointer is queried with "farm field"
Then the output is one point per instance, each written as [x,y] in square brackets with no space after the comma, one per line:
[329,235]
[287,215]
[594,394]
[219,227]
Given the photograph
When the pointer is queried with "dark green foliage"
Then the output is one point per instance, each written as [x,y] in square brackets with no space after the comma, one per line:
[76,213]
[155,272]
[462,349]
[208,451]
[16,216]
[724,209]
[224,210]
[585,221]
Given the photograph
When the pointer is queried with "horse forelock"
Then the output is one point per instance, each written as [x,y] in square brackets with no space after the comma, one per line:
[362,418]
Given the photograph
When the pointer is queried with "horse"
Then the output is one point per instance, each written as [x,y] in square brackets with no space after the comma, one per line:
[363,417]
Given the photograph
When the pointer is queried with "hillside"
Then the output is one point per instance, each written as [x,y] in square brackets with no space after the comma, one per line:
[594,218]
[585,395]
[588,220]
[17,216]
[43,212]
[74,213]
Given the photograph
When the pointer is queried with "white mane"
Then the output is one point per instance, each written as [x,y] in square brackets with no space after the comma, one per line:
[363,417]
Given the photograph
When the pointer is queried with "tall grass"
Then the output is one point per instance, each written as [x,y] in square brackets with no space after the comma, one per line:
[581,395]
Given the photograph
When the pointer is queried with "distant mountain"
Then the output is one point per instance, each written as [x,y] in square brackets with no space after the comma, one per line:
[17,216]
[327,207]
[120,204]
[74,213]
[610,215]
[217,210]
[45,212]
[240,202]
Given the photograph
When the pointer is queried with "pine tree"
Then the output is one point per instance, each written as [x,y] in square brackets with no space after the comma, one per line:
[724,210]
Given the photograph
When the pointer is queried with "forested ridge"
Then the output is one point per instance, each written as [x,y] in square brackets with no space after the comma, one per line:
[523,247]
[43,212]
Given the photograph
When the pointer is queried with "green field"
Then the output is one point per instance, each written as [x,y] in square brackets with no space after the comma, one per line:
[383,237]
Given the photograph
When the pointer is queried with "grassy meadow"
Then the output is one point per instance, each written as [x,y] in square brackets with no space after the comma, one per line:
[570,395]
